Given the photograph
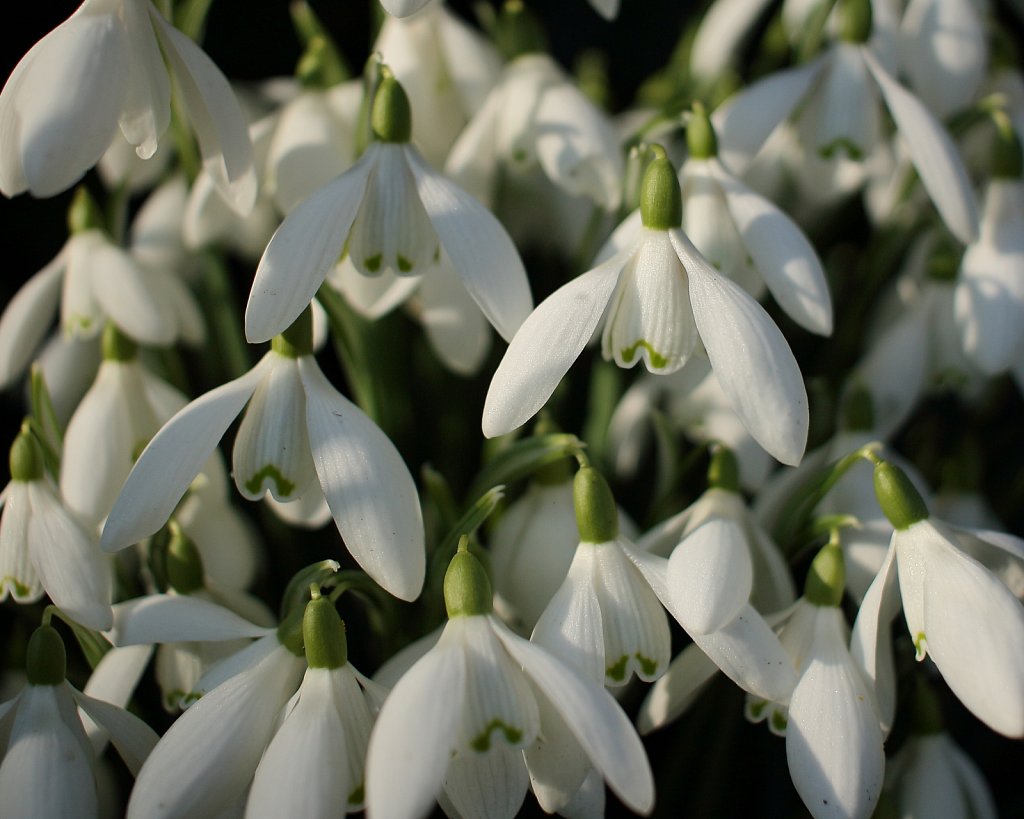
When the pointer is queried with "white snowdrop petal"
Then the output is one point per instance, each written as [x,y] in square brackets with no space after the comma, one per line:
[133,738]
[71,567]
[172,459]
[711,227]
[675,690]
[782,255]
[478,246]
[748,653]
[207,758]
[27,318]
[833,738]
[305,246]
[114,678]
[310,511]
[933,153]
[650,317]
[556,763]
[272,450]
[415,733]
[41,747]
[214,113]
[546,346]
[302,772]
[745,120]
[373,296]
[974,629]
[979,797]
[594,718]
[571,625]
[455,327]
[721,31]
[710,576]
[18,576]
[403,8]
[490,785]
[927,784]
[358,700]
[367,485]
[751,358]
[636,633]
[843,117]
[392,232]
[147,105]
[170,618]
[472,162]
[60,105]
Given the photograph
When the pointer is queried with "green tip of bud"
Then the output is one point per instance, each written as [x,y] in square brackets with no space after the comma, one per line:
[597,516]
[323,635]
[858,410]
[900,501]
[661,201]
[518,31]
[724,470]
[46,661]
[1007,154]
[391,117]
[467,589]
[826,578]
[701,142]
[297,340]
[84,214]
[856,21]
[26,458]
[116,346]
[184,564]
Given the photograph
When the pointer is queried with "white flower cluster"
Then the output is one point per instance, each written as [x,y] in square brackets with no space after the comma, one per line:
[796,258]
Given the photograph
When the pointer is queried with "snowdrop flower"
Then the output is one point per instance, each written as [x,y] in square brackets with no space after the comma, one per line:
[944,52]
[92,280]
[535,116]
[604,619]
[403,8]
[833,732]
[122,410]
[958,612]
[533,544]
[103,68]
[392,213]
[48,766]
[746,237]
[44,547]
[484,713]
[446,68]
[692,398]
[988,302]
[299,435]
[660,300]
[838,96]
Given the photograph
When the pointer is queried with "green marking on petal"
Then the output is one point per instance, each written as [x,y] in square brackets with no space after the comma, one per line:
[920,646]
[80,323]
[284,486]
[404,265]
[755,710]
[617,671]
[779,722]
[657,359]
[520,155]
[852,150]
[18,589]
[483,741]
[372,263]
[648,667]
[358,796]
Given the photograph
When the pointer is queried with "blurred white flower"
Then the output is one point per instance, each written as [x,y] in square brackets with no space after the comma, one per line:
[103,68]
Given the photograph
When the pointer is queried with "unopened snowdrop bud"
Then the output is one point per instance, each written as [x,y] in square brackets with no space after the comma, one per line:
[701,142]
[661,202]
[856,21]
[116,346]
[84,214]
[26,458]
[391,118]
[467,589]
[900,501]
[724,470]
[518,31]
[597,516]
[1008,154]
[323,634]
[297,340]
[46,660]
[184,565]
[827,577]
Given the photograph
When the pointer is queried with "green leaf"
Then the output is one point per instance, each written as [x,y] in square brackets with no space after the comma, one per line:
[524,457]
[297,592]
